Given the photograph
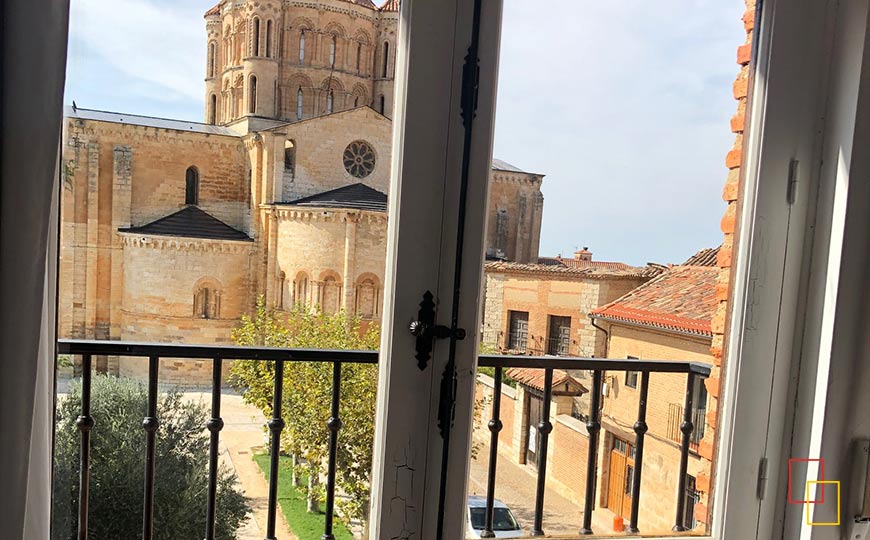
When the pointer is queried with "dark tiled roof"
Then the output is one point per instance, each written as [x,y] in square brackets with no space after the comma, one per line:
[190,222]
[355,196]
[214,11]
[682,299]
[705,257]
[535,378]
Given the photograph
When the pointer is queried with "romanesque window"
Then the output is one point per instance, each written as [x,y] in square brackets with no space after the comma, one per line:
[210,62]
[332,51]
[252,93]
[330,97]
[359,159]
[358,55]
[299,104]
[191,186]
[282,279]
[302,47]
[367,298]
[255,38]
[386,59]
[300,289]
[356,101]
[383,104]
[269,39]
[207,300]
[212,110]
[290,157]
[330,295]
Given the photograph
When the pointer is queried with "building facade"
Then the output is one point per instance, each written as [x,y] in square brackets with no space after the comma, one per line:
[171,230]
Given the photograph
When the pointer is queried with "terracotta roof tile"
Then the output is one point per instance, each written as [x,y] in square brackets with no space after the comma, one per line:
[214,11]
[681,299]
[534,377]
[390,5]
[705,257]
[589,271]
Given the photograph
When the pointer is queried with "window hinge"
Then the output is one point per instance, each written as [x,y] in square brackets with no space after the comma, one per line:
[791,189]
[761,487]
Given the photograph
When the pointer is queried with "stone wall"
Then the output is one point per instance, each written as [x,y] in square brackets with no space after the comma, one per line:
[514,220]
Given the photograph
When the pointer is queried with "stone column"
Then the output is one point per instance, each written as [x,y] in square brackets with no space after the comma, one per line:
[122,190]
[350,223]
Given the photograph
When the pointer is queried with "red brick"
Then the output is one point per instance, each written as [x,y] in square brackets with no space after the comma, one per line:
[702,483]
[749,19]
[705,449]
[734,158]
[724,257]
[737,122]
[729,219]
[701,512]
[712,417]
[741,87]
[712,384]
[744,54]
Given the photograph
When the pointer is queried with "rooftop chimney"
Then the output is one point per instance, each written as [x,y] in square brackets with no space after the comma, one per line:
[583,255]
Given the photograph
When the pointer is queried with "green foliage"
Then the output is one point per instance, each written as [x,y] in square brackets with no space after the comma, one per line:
[306,526]
[307,392]
[504,377]
[118,463]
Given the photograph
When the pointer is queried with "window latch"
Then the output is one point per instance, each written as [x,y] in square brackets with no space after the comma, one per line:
[761,486]
[426,331]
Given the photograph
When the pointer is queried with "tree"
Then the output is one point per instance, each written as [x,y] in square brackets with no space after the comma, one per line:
[307,392]
[118,463]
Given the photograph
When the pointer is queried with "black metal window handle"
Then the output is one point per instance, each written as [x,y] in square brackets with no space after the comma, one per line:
[426,331]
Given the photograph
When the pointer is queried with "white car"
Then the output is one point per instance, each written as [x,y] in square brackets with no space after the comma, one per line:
[504,524]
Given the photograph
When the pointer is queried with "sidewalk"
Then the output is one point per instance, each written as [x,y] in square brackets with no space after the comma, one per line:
[243,432]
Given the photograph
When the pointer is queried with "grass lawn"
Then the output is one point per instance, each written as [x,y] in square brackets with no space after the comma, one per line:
[292,500]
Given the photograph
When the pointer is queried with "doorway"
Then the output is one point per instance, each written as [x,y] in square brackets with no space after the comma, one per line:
[621,477]
[534,408]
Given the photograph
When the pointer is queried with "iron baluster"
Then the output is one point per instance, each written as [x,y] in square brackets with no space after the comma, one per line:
[544,429]
[150,424]
[334,424]
[640,429]
[495,426]
[593,426]
[276,425]
[214,425]
[85,423]
[686,427]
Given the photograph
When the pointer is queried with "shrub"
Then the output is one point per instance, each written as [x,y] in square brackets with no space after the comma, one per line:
[118,463]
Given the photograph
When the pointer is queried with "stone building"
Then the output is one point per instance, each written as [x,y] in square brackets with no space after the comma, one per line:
[172,229]
[667,318]
[542,308]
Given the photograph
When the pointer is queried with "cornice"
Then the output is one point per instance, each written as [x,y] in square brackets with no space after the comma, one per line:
[325,215]
[205,245]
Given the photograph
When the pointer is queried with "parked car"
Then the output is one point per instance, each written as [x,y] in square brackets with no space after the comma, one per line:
[504,524]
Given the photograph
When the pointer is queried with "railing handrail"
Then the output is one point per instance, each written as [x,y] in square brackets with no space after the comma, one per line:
[604,364]
[210,352]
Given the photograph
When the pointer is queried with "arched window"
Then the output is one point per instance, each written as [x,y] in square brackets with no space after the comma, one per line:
[207,300]
[255,38]
[191,186]
[290,157]
[356,101]
[367,298]
[252,93]
[210,63]
[358,55]
[299,104]
[332,51]
[383,105]
[329,101]
[330,295]
[282,278]
[212,110]
[269,38]
[302,47]
[386,58]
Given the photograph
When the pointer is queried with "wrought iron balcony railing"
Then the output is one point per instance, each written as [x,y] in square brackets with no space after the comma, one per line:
[280,357]
[593,426]
[154,352]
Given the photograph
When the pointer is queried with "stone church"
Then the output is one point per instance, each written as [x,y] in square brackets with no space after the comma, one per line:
[172,229]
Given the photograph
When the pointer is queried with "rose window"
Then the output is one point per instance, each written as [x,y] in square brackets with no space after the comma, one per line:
[359,159]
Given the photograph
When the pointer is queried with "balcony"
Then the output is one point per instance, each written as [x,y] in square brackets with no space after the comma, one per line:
[285,358]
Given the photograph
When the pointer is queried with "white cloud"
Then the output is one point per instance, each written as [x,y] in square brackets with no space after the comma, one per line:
[161,44]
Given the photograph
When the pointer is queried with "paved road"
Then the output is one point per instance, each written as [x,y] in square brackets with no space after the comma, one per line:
[516,486]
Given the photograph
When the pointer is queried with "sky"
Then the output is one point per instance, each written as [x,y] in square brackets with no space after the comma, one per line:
[623,105]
